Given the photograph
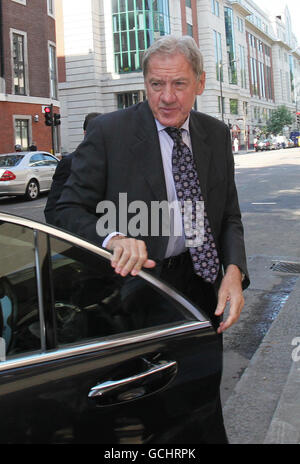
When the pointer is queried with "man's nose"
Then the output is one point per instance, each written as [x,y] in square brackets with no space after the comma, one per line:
[168,94]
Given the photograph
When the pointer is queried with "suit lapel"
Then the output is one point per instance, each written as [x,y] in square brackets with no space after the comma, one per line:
[146,149]
[201,151]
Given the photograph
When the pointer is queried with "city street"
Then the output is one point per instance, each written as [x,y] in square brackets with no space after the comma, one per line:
[16,205]
[269,193]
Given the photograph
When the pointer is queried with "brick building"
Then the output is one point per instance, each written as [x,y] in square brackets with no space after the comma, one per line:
[251,58]
[28,73]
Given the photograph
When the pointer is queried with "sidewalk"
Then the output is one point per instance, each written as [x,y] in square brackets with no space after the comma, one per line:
[265,404]
[244,152]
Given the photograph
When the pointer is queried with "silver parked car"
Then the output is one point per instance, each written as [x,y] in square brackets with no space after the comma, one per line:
[26,173]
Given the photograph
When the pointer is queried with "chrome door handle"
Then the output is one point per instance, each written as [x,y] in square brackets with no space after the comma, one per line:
[167,367]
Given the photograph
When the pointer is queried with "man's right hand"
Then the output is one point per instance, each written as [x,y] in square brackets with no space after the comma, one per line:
[129,255]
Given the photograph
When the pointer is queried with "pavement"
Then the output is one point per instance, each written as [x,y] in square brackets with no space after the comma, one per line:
[264,407]
[264,404]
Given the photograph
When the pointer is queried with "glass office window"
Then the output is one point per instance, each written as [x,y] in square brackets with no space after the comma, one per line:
[243,67]
[22,133]
[190,30]
[53,72]
[136,24]
[253,74]
[292,73]
[215,7]
[130,98]
[19,64]
[218,55]
[230,42]
[234,106]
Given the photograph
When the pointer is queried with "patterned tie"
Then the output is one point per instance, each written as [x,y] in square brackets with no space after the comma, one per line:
[205,257]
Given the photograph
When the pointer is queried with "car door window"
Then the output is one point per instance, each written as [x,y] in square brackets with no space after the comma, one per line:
[49,160]
[92,301]
[37,160]
[19,309]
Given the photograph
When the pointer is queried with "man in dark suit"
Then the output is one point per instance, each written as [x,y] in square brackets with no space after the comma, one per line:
[127,151]
[161,150]
[61,174]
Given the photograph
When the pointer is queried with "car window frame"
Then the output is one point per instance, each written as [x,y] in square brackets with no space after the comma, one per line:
[40,162]
[51,353]
[20,156]
[48,158]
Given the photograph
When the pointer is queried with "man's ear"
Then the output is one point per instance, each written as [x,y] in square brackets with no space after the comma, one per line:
[201,83]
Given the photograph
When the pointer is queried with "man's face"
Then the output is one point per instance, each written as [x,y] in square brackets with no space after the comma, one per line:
[172,86]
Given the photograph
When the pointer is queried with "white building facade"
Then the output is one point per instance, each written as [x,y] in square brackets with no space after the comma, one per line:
[251,60]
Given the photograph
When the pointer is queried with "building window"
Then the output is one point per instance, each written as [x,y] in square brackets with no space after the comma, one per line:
[136,24]
[234,106]
[53,72]
[232,73]
[130,98]
[188,3]
[189,30]
[292,72]
[50,7]
[288,86]
[252,40]
[253,73]
[269,88]
[243,67]
[261,68]
[215,7]
[268,51]
[240,24]
[22,133]
[218,55]
[19,78]
[221,109]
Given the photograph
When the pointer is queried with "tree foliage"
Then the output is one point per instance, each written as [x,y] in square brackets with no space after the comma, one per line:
[280,117]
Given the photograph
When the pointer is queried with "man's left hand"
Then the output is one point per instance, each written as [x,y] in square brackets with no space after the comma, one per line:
[230,291]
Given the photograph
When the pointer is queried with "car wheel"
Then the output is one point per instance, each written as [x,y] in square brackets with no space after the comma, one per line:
[32,190]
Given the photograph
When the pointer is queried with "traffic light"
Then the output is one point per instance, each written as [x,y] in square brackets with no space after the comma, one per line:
[48,116]
[57,120]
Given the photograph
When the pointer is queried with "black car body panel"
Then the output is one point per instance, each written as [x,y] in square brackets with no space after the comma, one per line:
[94,358]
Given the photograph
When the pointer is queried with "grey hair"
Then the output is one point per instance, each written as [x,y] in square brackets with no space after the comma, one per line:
[171,45]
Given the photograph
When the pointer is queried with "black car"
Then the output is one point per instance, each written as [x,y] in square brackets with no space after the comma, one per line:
[87,356]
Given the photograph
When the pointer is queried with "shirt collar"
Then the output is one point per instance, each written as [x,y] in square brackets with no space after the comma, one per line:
[184,126]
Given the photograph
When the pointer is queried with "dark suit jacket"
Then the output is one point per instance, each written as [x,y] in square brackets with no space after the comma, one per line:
[61,174]
[121,153]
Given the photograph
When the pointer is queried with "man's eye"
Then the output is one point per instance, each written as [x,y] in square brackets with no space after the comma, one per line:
[156,85]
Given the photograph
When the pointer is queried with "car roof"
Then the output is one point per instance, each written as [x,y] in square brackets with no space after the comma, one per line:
[24,153]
